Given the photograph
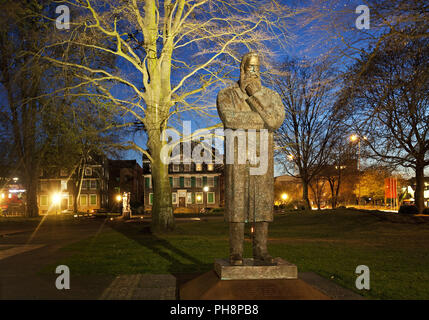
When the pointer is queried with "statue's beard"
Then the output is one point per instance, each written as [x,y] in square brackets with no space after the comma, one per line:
[247,79]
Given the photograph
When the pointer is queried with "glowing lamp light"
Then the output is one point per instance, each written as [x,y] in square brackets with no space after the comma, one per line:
[198,198]
[354,137]
[118,198]
[284,196]
[206,188]
[56,198]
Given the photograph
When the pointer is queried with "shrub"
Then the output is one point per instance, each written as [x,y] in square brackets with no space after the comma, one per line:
[404,209]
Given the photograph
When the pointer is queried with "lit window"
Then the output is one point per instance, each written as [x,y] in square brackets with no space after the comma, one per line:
[199,198]
[199,167]
[189,197]
[210,167]
[93,199]
[187,182]
[151,198]
[210,181]
[44,200]
[176,182]
[174,197]
[83,200]
[63,185]
[199,182]
[210,197]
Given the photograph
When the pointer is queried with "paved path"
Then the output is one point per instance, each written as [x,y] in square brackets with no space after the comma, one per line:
[23,255]
[17,249]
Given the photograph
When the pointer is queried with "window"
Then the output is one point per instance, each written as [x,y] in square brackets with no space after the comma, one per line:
[43,186]
[63,172]
[187,167]
[199,198]
[199,167]
[83,200]
[210,167]
[174,197]
[88,171]
[176,182]
[93,184]
[148,182]
[176,167]
[63,185]
[84,184]
[93,199]
[199,182]
[44,200]
[151,198]
[210,197]
[210,181]
[70,201]
[189,197]
[187,182]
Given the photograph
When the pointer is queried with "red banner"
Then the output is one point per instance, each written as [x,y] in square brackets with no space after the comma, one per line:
[390,188]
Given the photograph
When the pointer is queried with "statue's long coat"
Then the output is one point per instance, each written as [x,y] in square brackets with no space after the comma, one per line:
[250,198]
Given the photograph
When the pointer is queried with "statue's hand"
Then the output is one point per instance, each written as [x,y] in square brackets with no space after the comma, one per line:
[253,87]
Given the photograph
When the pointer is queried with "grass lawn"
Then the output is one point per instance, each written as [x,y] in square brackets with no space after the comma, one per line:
[330,243]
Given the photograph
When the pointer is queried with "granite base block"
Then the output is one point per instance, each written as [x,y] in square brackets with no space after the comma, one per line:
[253,270]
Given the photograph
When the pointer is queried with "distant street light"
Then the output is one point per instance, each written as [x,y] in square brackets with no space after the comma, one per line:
[206,189]
[56,199]
[284,196]
[353,138]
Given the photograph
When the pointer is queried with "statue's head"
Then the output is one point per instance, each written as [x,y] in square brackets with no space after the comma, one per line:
[249,69]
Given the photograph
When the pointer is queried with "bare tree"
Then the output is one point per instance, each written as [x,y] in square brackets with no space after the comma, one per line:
[391,107]
[21,78]
[306,137]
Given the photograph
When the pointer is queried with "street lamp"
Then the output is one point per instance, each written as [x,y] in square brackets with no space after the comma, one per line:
[56,199]
[118,199]
[198,202]
[353,138]
[284,197]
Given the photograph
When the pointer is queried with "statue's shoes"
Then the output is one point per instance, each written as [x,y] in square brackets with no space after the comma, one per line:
[236,260]
[265,257]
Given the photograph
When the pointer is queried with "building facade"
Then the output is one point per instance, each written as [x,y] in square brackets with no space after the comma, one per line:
[125,176]
[57,191]
[195,187]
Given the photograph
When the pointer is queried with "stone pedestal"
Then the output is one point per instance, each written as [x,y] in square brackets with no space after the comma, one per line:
[251,281]
[254,270]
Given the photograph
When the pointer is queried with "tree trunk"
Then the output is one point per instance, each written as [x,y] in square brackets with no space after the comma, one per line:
[162,208]
[31,207]
[420,187]
[77,184]
[305,194]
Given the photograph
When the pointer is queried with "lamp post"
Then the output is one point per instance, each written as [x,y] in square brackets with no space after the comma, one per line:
[198,202]
[56,199]
[118,200]
[284,197]
[205,189]
[353,138]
